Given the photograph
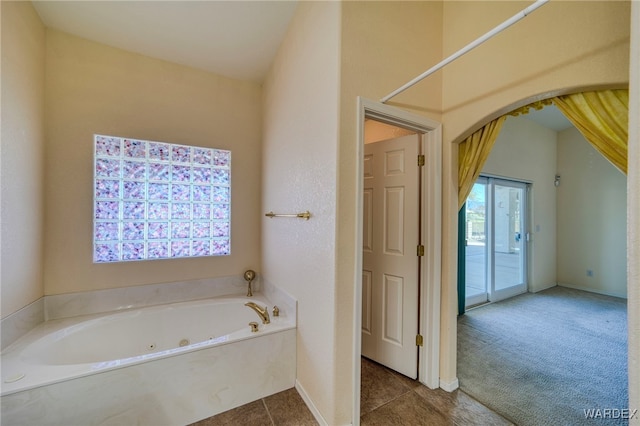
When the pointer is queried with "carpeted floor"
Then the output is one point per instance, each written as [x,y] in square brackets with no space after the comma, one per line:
[545,358]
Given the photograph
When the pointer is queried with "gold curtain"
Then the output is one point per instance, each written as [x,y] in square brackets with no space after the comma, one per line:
[603,119]
[473,153]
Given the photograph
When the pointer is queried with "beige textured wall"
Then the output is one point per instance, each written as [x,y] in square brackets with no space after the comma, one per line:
[384,44]
[21,164]
[527,151]
[92,88]
[308,91]
[561,47]
[299,163]
[592,225]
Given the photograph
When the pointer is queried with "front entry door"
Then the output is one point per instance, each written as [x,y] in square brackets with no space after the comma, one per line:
[391,236]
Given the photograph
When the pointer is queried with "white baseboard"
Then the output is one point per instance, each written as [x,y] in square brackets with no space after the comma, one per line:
[591,290]
[449,386]
[537,290]
[314,410]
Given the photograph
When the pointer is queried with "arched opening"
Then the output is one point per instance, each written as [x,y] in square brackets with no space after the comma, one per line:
[530,357]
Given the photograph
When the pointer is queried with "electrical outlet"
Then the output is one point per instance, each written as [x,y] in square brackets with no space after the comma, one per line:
[589,272]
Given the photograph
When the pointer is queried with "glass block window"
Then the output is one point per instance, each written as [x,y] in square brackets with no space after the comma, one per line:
[156,200]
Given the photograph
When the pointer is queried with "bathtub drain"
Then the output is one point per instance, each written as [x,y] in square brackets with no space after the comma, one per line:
[184,342]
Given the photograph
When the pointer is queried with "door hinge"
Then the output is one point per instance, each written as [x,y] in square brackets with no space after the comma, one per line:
[419,340]
[420,250]
[420,160]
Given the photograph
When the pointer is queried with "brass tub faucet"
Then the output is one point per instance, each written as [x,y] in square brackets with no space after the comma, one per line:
[263,313]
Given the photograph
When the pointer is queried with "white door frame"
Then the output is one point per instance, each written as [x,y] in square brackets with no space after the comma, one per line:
[430,264]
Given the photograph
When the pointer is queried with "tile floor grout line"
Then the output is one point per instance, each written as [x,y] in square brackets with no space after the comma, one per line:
[432,406]
[264,403]
[387,402]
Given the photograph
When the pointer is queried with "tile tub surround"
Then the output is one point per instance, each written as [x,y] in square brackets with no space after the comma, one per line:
[201,384]
[69,348]
[21,322]
[92,302]
[175,390]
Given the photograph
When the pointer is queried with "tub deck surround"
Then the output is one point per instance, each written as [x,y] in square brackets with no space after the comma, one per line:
[100,301]
[90,302]
[115,368]
[21,322]
[170,391]
[67,348]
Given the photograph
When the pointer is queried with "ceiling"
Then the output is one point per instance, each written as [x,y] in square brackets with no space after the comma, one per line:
[236,39]
[550,117]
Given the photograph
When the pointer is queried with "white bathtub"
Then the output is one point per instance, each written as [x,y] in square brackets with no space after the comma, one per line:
[169,364]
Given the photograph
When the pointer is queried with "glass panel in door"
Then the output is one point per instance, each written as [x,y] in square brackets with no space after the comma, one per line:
[509,199]
[476,290]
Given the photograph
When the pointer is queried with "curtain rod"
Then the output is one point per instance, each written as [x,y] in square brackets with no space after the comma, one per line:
[515,18]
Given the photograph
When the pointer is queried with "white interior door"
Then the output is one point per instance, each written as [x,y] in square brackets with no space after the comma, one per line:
[390,262]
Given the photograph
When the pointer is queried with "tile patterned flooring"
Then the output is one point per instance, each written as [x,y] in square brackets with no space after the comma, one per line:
[387,398]
[285,408]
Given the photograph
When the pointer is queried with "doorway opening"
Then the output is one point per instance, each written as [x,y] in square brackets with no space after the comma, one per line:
[577,197]
[391,241]
[428,202]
